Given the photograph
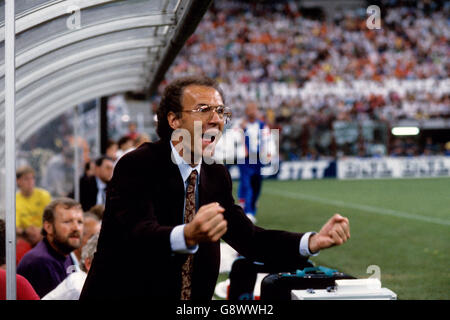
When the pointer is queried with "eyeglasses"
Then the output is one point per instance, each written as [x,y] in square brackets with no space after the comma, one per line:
[206,112]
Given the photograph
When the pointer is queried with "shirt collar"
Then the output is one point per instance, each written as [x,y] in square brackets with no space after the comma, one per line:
[100,184]
[183,166]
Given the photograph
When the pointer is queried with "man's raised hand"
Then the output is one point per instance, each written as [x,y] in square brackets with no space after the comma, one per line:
[334,233]
[208,225]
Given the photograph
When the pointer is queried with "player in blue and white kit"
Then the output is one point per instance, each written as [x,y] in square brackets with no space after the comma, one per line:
[256,134]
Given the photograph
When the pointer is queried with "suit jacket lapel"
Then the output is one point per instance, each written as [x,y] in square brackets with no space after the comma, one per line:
[173,183]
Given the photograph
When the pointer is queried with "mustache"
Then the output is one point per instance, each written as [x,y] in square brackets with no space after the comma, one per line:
[74,234]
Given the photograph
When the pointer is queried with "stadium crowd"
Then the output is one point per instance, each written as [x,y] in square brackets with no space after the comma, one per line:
[241,45]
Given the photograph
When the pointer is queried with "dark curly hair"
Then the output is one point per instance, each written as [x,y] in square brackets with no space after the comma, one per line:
[171,100]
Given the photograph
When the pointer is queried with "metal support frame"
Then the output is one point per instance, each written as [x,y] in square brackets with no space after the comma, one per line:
[46,64]
[47,12]
[10,150]
[76,150]
[70,74]
[82,56]
[26,114]
[89,32]
[194,13]
[111,87]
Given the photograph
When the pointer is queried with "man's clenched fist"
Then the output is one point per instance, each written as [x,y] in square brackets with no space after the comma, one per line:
[334,233]
[208,225]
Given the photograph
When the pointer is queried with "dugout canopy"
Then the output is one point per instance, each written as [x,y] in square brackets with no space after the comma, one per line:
[73,51]
[69,52]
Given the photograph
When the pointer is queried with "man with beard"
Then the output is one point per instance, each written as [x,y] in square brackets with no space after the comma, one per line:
[49,262]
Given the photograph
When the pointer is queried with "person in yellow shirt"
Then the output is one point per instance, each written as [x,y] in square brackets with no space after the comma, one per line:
[30,204]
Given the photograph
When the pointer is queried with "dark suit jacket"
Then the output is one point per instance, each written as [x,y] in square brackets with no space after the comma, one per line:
[145,201]
[88,192]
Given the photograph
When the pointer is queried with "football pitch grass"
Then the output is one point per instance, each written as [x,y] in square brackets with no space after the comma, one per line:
[400,225]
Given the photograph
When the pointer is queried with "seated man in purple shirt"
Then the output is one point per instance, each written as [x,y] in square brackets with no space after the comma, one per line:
[49,262]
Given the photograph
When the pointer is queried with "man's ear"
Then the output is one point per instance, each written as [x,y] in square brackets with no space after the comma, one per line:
[173,120]
[48,227]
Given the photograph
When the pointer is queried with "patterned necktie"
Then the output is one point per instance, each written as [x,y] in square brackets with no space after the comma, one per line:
[189,211]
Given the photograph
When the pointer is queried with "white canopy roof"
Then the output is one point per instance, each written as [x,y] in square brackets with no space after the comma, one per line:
[69,52]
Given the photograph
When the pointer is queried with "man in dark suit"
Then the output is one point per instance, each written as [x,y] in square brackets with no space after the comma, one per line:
[151,244]
[93,188]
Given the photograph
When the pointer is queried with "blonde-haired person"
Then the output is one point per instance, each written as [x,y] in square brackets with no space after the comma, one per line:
[30,204]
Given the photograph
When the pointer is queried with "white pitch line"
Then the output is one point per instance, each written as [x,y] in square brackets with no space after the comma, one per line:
[382,211]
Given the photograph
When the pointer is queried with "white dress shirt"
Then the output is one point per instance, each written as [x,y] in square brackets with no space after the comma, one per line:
[101,193]
[177,240]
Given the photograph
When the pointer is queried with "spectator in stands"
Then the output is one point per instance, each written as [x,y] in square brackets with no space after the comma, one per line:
[111,149]
[71,287]
[89,169]
[93,189]
[88,251]
[275,46]
[140,139]
[126,144]
[58,179]
[98,210]
[91,226]
[24,290]
[132,131]
[447,148]
[47,264]
[398,149]
[430,148]
[89,172]
[30,204]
